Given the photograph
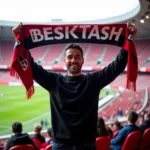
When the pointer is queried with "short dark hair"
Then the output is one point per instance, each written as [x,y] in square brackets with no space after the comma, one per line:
[37,128]
[117,123]
[75,46]
[132,116]
[17,127]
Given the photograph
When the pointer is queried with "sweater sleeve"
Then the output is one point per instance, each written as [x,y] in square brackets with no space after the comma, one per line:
[109,73]
[119,138]
[44,78]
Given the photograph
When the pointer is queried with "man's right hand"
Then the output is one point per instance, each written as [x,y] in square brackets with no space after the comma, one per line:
[16,30]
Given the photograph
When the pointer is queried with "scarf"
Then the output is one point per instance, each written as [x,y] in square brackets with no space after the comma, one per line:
[32,36]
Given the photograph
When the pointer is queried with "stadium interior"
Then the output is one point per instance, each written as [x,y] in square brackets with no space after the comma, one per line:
[115,96]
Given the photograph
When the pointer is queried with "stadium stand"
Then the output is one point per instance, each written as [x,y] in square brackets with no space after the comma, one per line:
[6,52]
[96,57]
[126,101]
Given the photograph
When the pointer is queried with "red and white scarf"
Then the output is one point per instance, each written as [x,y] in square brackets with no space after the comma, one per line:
[32,36]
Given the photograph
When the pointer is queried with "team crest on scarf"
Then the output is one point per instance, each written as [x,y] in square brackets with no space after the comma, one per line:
[131,86]
[130,37]
[23,62]
[17,44]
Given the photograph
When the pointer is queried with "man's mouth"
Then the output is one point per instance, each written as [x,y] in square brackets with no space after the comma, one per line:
[74,65]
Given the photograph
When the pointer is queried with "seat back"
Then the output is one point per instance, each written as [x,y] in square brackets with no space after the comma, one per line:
[37,143]
[22,147]
[145,140]
[132,140]
[49,147]
[103,143]
[44,145]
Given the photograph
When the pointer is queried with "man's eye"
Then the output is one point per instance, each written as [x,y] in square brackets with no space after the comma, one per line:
[69,57]
[77,56]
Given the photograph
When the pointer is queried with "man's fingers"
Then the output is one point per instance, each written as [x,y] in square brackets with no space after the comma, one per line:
[17,30]
[132,28]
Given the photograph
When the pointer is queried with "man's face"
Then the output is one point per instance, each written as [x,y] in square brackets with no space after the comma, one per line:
[74,61]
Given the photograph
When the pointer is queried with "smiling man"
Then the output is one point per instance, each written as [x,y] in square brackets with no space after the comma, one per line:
[74,59]
[74,97]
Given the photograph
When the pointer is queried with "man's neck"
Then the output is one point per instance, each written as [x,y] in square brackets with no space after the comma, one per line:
[73,75]
[129,123]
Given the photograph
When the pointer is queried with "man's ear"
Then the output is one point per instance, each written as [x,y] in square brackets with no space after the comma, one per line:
[64,57]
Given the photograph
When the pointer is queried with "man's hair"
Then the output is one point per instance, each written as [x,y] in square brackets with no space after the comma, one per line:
[17,127]
[37,128]
[75,46]
[132,116]
[147,116]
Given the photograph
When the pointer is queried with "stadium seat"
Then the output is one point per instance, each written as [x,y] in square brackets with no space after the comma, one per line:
[115,134]
[103,143]
[145,140]
[49,147]
[132,140]
[37,143]
[22,147]
[44,145]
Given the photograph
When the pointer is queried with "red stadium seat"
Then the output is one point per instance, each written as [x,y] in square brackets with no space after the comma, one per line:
[145,141]
[44,145]
[49,147]
[115,134]
[37,143]
[103,143]
[132,141]
[22,147]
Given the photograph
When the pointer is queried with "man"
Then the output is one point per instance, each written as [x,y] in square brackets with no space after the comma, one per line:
[38,136]
[18,138]
[74,97]
[118,141]
[146,123]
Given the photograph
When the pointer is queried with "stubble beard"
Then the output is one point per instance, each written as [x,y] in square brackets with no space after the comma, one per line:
[76,71]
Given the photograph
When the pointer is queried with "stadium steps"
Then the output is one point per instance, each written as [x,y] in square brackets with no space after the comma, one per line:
[61,54]
[145,100]
[145,49]
[86,51]
[103,53]
[45,53]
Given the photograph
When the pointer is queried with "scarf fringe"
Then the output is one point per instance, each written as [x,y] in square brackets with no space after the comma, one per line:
[13,73]
[30,92]
[131,85]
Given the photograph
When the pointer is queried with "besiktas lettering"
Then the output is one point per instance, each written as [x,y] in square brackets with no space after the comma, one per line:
[65,32]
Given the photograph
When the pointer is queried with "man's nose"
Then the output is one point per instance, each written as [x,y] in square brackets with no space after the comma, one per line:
[73,59]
